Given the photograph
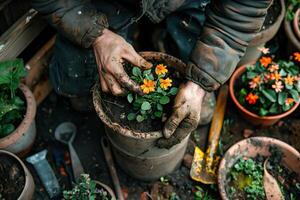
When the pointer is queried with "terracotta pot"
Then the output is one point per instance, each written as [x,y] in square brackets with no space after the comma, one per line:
[250,148]
[28,190]
[251,117]
[21,140]
[136,152]
[296,23]
[293,41]
[107,188]
[261,38]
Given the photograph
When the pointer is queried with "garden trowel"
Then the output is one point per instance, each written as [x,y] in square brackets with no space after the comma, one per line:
[204,166]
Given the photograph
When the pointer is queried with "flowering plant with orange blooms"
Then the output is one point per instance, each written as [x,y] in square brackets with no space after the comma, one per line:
[270,87]
[157,87]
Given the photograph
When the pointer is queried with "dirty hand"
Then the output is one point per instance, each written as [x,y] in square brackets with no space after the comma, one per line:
[110,51]
[186,114]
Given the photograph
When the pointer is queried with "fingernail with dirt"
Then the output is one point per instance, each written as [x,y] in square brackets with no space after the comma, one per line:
[146,64]
[167,133]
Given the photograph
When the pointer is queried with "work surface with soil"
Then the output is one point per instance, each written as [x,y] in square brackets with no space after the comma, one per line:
[87,143]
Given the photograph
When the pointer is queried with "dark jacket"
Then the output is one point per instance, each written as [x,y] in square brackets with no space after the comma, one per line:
[229,27]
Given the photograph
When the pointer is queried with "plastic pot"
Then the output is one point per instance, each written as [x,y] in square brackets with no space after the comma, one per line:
[293,39]
[250,148]
[21,140]
[136,152]
[252,117]
[107,188]
[28,190]
[252,53]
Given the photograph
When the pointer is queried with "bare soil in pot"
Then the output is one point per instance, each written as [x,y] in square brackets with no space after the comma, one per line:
[12,178]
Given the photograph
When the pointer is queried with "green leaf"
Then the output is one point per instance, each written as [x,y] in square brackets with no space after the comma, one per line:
[159,107]
[270,94]
[131,116]
[274,108]
[282,73]
[140,118]
[147,72]
[251,74]
[130,98]
[288,86]
[146,106]
[286,107]
[6,129]
[282,97]
[297,85]
[295,94]
[164,100]
[242,95]
[150,77]
[173,91]
[263,112]
[136,71]
[158,114]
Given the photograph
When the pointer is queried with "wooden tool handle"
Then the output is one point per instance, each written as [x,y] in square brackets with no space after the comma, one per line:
[216,125]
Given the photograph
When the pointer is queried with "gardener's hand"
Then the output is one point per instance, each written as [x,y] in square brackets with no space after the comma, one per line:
[186,114]
[110,51]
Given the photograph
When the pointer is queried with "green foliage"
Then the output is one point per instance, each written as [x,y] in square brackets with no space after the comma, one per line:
[293,5]
[200,194]
[247,176]
[86,189]
[269,87]
[152,103]
[11,105]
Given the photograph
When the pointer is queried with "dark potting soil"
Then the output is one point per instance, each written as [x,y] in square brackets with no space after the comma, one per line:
[272,15]
[117,108]
[12,178]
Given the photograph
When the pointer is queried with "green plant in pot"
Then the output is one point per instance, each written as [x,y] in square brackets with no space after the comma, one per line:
[267,90]
[17,109]
[87,189]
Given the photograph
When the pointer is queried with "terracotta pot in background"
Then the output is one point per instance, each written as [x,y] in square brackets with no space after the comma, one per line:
[21,140]
[108,189]
[296,23]
[293,41]
[261,38]
[29,186]
[251,117]
[250,148]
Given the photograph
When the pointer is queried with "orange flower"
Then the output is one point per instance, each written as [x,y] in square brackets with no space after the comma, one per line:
[252,98]
[148,86]
[165,83]
[255,82]
[277,86]
[297,56]
[275,76]
[161,69]
[289,101]
[265,61]
[273,68]
[289,80]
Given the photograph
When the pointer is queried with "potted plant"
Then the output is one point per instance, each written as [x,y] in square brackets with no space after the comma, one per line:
[134,123]
[268,90]
[291,25]
[87,189]
[274,18]
[16,182]
[18,109]
[260,168]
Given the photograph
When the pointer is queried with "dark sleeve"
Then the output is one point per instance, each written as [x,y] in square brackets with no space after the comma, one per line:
[77,20]
[229,27]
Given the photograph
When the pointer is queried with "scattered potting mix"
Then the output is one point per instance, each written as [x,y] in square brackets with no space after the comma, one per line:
[101,132]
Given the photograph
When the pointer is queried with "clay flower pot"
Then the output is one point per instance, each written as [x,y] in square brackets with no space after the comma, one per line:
[296,23]
[292,34]
[252,117]
[261,38]
[29,186]
[250,148]
[107,188]
[21,140]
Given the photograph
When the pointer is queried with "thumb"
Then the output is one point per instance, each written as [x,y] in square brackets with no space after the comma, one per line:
[173,122]
[134,58]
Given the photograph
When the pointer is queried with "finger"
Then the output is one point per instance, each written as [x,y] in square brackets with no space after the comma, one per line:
[103,83]
[113,85]
[173,122]
[134,58]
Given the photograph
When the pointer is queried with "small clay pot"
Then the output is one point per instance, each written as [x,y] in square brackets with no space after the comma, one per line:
[28,190]
[21,140]
[296,23]
[250,148]
[252,117]
[293,40]
[107,188]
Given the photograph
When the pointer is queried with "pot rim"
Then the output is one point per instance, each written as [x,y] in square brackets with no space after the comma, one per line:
[238,72]
[295,23]
[26,121]
[116,126]
[107,188]
[290,34]
[24,168]
[235,146]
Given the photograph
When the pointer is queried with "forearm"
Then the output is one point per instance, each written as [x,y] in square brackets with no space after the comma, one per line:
[76,20]
[229,27]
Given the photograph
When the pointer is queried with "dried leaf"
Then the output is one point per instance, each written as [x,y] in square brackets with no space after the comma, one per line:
[271,186]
